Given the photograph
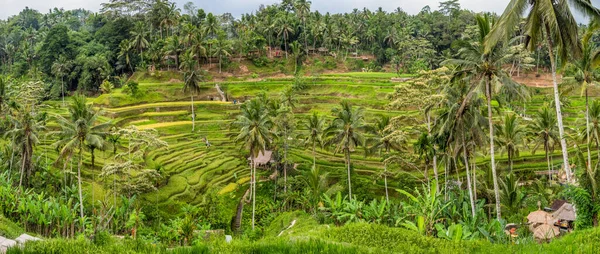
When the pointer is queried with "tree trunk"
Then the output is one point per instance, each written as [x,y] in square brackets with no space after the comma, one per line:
[62,88]
[387,197]
[488,95]
[253,183]
[314,156]
[548,161]
[349,179]
[285,164]
[79,180]
[285,45]
[561,128]
[220,61]
[470,188]
[435,169]
[587,129]
[193,114]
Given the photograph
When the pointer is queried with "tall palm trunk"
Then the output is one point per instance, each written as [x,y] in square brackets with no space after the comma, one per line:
[193,114]
[349,179]
[387,197]
[314,156]
[587,129]
[253,186]
[62,88]
[285,44]
[470,186]
[488,95]
[79,179]
[435,169]
[285,150]
[561,128]
[548,161]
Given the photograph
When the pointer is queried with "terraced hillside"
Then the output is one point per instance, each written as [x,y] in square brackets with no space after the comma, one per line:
[191,168]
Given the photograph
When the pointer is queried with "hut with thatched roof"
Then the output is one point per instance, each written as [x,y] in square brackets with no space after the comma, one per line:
[545,232]
[264,159]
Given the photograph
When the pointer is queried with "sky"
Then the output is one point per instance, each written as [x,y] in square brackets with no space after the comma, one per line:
[238,7]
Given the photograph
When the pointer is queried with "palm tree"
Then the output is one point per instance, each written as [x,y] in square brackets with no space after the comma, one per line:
[385,141]
[254,126]
[553,21]
[61,68]
[26,127]
[460,121]
[124,52]
[316,183]
[222,48]
[484,68]
[509,137]
[584,77]
[78,131]
[424,147]
[296,52]
[139,38]
[346,133]
[192,80]
[211,27]
[303,10]
[315,126]
[284,126]
[170,16]
[593,131]
[288,97]
[285,28]
[543,130]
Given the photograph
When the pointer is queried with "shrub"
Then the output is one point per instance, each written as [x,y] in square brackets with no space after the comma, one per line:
[261,61]
[132,88]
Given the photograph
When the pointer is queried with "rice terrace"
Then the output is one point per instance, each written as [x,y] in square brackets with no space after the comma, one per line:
[294,126]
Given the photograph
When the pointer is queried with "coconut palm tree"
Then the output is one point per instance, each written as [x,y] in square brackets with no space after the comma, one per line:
[26,128]
[585,76]
[592,133]
[385,140]
[302,8]
[61,68]
[509,137]
[211,28]
[346,133]
[553,21]
[461,120]
[284,28]
[543,131]
[139,40]
[192,80]
[424,147]
[222,49]
[315,126]
[78,131]
[484,69]
[255,133]
[170,17]
[285,125]
[124,52]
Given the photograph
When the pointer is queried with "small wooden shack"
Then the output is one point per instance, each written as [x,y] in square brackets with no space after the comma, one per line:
[264,159]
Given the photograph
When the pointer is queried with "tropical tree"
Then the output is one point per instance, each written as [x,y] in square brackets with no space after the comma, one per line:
[386,139]
[27,126]
[211,28]
[346,133]
[553,21]
[302,8]
[78,131]
[125,52]
[284,28]
[139,40]
[316,183]
[485,68]
[543,131]
[192,80]
[255,133]
[285,125]
[585,76]
[222,49]
[315,126]
[509,137]
[61,68]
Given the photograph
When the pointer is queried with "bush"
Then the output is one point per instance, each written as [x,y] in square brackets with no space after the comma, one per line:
[132,88]
[260,61]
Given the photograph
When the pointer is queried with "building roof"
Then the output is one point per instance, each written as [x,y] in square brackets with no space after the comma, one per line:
[565,212]
[263,157]
[540,216]
[557,204]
